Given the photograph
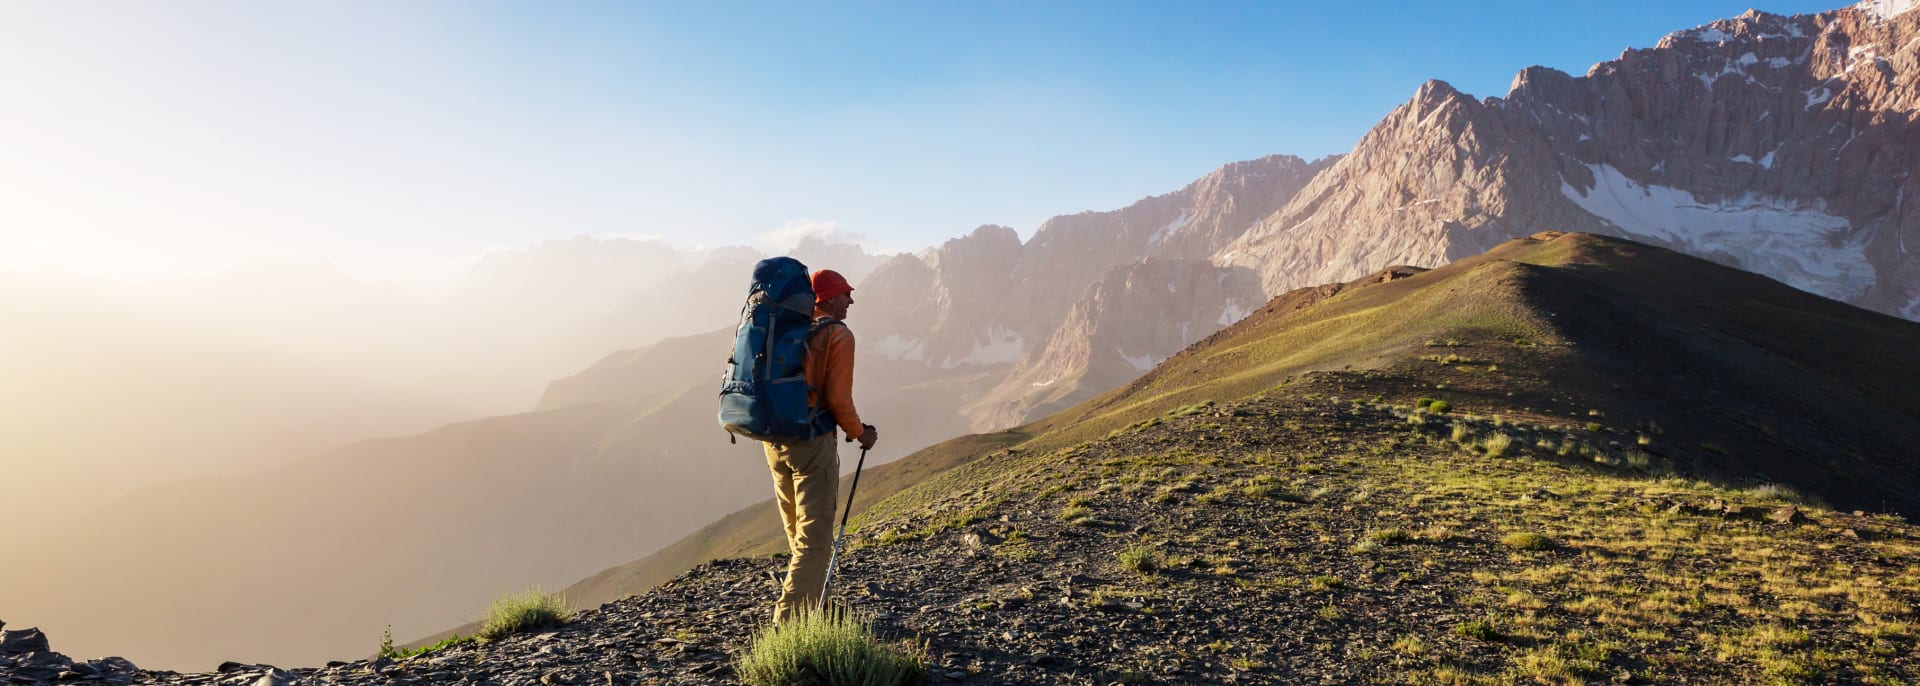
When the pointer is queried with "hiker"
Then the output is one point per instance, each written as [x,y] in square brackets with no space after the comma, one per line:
[806,473]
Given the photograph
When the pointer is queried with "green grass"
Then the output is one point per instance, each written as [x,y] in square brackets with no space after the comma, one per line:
[1193,409]
[1527,541]
[1479,630]
[517,612]
[1388,536]
[828,648]
[1141,560]
[1497,444]
[390,651]
[1325,582]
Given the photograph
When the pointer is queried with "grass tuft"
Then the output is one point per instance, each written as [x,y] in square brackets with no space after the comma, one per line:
[1527,541]
[517,612]
[1388,536]
[1497,444]
[392,652]
[1140,560]
[828,648]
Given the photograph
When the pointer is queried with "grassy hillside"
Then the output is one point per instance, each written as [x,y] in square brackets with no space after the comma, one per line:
[1293,536]
[1567,461]
[1615,345]
[1297,535]
[1572,459]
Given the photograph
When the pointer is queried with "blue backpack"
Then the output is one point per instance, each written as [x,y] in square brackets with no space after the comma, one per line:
[764,394]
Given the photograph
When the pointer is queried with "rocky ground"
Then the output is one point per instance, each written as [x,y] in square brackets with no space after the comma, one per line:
[1304,539]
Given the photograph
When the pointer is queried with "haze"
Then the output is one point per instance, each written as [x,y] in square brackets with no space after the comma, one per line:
[236,239]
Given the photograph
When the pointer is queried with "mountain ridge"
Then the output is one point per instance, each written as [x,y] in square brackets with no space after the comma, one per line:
[1285,468]
[1485,171]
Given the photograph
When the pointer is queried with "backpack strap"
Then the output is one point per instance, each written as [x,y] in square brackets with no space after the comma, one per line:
[821,420]
[822,322]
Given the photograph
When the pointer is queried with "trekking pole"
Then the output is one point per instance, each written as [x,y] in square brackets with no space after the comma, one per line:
[835,556]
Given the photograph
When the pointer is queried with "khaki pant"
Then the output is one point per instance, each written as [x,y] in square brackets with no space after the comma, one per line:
[806,484]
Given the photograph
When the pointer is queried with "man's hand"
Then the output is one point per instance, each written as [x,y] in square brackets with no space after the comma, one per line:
[868,436]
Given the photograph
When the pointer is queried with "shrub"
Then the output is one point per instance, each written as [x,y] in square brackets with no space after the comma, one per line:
[514,613]
[1439,407]
[1460,432]
[829,648]
[1527,541]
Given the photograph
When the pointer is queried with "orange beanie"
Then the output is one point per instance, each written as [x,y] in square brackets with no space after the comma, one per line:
[829,284]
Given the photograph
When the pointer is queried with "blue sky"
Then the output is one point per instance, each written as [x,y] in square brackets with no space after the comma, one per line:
[398,139]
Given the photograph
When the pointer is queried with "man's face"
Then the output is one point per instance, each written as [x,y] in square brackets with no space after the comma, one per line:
[836,306]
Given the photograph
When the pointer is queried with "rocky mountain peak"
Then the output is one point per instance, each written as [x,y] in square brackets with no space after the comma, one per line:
[1435,92]
[986,243]
[1772,143]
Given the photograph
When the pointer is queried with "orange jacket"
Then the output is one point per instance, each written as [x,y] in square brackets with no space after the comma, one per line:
[829,370]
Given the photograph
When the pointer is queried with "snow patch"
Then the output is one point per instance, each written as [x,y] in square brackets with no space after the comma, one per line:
[1814,99]
[1912,310]
[1863,55]
[1708,35]
[1742,158]
[1172,226]
[1766,162]
[1778,62]
[1735,67]
[1883,10]
[1798,243]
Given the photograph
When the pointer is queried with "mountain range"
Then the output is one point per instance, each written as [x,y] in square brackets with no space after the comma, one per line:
[1470,473]
[1777,145]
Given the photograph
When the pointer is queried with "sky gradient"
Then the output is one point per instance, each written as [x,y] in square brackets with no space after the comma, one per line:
[400,140]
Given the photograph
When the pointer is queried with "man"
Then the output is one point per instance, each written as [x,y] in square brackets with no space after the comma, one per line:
[806,474]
